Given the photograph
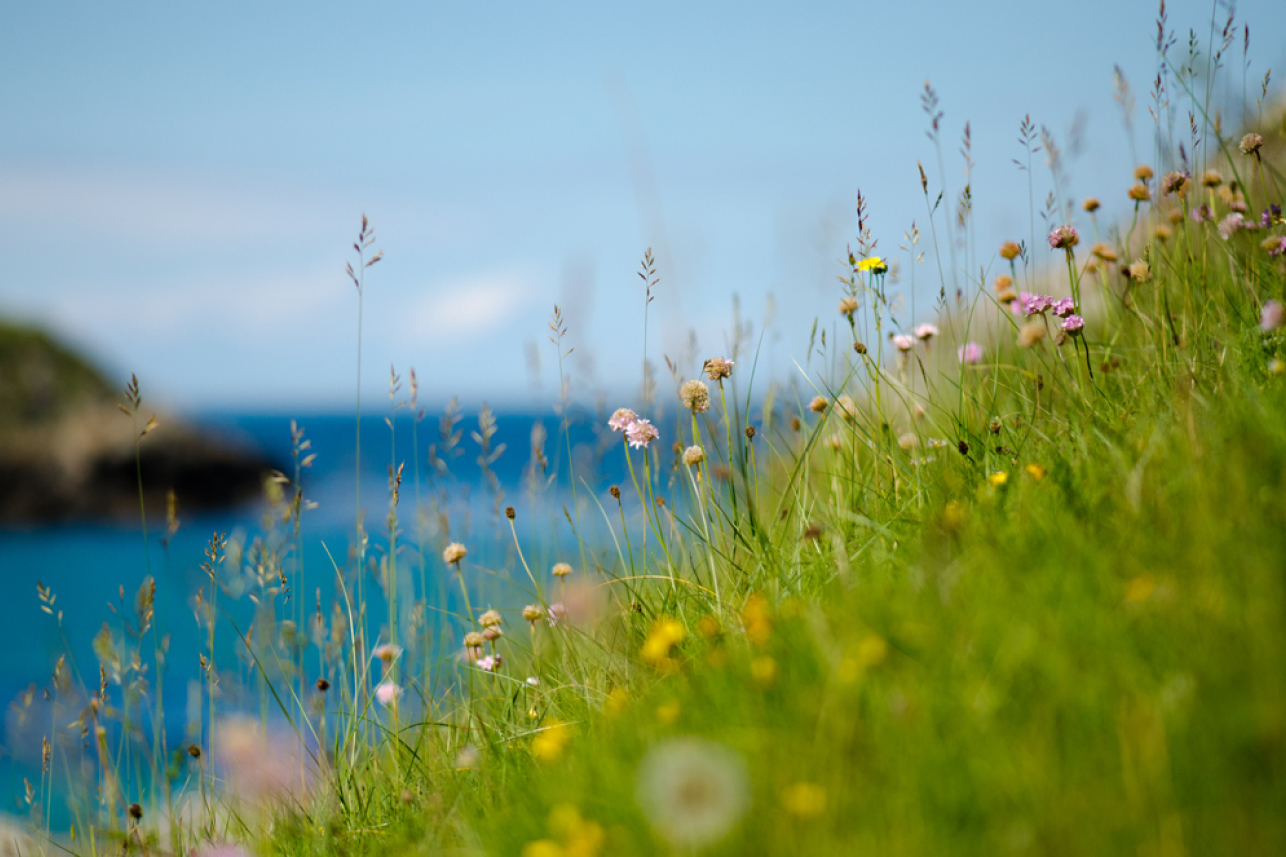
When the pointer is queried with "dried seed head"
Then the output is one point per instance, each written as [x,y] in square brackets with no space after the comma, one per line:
[1140,271]
[1143,172]
[1003,282]
[562,569]
[1139,192]
[859,347]
[818,404]
[695,396]
[1162,233]
[848,306]
[454,553]
[509,512]
[750,432]
[693,455]
[474,640]
[1174,182]
[135,811]
[995,425]
[322,685]
[796,424]
[1031,334]
[1091,205]
[194,751]
[1175,216]
[532,613]
[492,633]
[1211,178]
[1104,252]
[1010,250]
[490,618]
[615,491]
[1251,144]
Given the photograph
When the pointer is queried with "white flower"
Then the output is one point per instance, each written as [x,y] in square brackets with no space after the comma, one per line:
[533,681]
[693,791]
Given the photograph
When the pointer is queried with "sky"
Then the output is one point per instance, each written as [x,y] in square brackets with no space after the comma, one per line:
[181,184]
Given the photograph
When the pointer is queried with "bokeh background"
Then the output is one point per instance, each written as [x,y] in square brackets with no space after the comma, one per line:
[180,184]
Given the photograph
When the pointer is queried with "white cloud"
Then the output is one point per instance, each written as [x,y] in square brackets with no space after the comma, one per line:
[470,307]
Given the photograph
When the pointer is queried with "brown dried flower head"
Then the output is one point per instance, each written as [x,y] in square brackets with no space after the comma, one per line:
[562,569]
[1010,250]
[693,455]
[1140,271]
[1211,178]
[1104,252]
[491,617]
[1139,192]
[1143,172]
[532,613]
[1091,204]
[848,306]
[1004,282]
[718,368]
[818,404]
[1031,335]
[1251,144]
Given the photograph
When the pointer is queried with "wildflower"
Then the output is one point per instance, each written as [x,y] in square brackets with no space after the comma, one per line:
[998,479]
[693,791]
[873,263]
[1091,205]
[1063,308]
[386,692]
[491,633]
[1162,233]
[557,612]
[1007,297]
[467,758]
[908,441]
[533,614]
[491,617]
[490,663]
[1035,304]
[695,396]
[1140,271]
[763,670]
[848,306]
[1143,172]
[693,455]
[1272,215]
[970,352]
[1104,252]
[1004,282]
[1073,324]
[561,569]
[1175,182]
[640,433]
[1010,250]
[925,332]
[1063,237]
[666,633]
[1277,366]
[818,404]
[1211,178]
[1230,224]
[1175,216]
[1202,213]
[533,681]
[902,342]
[387,653]
[454,553]
[1280,247]
[718,368]
[1272,316]
[1251,144]
[1035,471]
[1031,334]
[1139,192]
[474,640]
[621,419]
[804,800]
[550,742]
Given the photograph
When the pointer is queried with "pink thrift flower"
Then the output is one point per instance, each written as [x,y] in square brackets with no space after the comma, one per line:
[621,419]
[1202,213]
[1073,324]
[386,692]
[902,342]
[557,612]
[1231,224]
[1280,248]
[925,332]
[970,352]
[1034,304]
[1065,307]
[1272,316]
[490,663]
[640,433]
[1063,238]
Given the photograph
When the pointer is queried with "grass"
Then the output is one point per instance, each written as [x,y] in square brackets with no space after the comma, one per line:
[906,603]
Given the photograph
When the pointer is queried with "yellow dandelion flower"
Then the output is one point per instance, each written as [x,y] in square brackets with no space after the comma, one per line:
[804,800]
[874,263]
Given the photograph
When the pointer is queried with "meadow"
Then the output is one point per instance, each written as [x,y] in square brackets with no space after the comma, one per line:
[1009,581]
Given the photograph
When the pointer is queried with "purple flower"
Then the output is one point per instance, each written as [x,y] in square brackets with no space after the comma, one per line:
[1073,325]
[970,352]
[1231,224]
[1064,308]
[621,419]
[557,612]
[1272,316]
[1272,214]
[1034,304]
[1202,213]
[640,433]
[1063,238]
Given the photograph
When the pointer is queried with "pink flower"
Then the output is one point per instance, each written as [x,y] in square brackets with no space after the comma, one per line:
[1034,304]
[902,342]
[1063,238]
[640,433]
[1202,213]
[557,612]
[1280,248]
[621,419]
[386,692]
[1065,307]
[1231,224]
[970,352]
[1272,316]
[490,663]
[925,332]
[1073,324]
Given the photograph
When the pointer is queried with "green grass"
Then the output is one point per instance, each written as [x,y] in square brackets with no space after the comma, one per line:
[1045,615]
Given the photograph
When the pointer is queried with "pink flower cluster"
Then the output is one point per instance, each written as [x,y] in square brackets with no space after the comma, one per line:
[639,432]
[1029,304]
[970,352]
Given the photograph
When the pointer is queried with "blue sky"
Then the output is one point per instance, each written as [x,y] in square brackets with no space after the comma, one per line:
[179,186]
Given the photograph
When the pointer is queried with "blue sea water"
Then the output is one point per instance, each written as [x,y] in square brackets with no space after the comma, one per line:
[94,569]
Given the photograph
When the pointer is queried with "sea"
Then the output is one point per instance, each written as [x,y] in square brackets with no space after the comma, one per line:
[457,479]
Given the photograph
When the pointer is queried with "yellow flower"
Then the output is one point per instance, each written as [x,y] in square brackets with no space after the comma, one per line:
[874,263]
[757,618]
[666,633]
[542,848]
[1035,471]
[616,701]
[764,670]
[550,742]
[668,713]
[998,478]
[804,800]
